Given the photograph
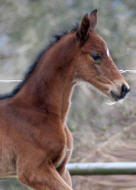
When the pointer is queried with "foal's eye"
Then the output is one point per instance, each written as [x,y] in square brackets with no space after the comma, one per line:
[96,57]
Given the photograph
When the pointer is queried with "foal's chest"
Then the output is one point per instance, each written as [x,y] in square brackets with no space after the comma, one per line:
[61,158]
[66,151]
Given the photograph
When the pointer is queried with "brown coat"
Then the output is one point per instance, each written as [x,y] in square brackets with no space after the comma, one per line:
[35,143]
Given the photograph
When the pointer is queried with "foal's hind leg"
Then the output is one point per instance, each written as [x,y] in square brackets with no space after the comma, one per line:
[44,178]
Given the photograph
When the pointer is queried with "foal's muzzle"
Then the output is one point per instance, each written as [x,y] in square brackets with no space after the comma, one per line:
[124,90]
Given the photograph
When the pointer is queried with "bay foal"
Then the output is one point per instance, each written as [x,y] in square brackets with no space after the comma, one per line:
[35,143]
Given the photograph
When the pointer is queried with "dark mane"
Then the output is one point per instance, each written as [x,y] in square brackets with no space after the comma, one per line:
[56,37]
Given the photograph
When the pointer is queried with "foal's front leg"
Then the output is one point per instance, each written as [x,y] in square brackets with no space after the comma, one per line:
[45,178]
[62,169]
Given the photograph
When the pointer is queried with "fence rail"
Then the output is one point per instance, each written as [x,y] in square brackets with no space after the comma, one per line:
[107,168]
[19,80]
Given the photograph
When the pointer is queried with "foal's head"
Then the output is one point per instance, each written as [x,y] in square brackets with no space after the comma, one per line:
[94,63]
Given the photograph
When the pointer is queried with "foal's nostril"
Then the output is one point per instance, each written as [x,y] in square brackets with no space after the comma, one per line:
[124,90]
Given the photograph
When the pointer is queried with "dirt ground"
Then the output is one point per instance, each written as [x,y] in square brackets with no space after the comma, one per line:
[121,147]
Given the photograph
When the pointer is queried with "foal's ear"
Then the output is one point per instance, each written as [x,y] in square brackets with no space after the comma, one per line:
[83,30]
[88,23]
[93,19]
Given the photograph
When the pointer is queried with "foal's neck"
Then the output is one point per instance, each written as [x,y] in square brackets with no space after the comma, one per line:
[49,86]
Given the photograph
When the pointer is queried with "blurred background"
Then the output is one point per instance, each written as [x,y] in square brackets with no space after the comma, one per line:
[102,132]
